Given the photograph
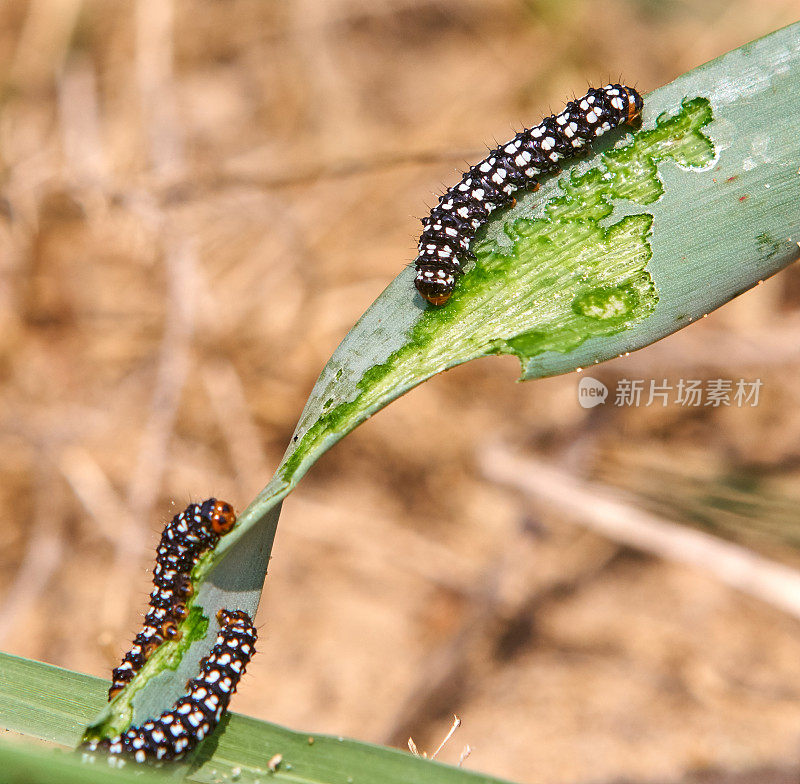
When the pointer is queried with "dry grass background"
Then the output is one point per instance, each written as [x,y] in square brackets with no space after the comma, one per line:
[198,200]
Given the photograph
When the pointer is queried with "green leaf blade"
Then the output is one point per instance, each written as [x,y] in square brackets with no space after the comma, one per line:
[50,703]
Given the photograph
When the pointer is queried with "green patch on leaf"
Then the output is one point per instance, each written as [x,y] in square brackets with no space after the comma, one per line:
[565,273]
[118,714]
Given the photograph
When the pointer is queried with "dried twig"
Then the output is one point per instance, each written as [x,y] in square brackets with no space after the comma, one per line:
[618,518]
[92,487]
[85,155]
[225,390]
[44,41]
[412,747]
[43,555]
[449,669]
[324,171]
[436,563]
[154,50]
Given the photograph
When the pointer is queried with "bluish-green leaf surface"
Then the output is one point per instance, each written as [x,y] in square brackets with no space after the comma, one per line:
[49,703]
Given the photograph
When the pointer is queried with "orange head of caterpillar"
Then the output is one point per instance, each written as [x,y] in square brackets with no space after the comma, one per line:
[222,517]
[435,284]
[635,104]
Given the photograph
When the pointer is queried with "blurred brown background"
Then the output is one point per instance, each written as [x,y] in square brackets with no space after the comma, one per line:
[198,200]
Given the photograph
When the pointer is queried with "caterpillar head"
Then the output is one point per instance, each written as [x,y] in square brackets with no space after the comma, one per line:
[435,284]
[222,517]
[635,104]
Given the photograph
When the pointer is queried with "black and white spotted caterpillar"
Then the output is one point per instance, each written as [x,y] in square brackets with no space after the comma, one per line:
[184,539]
[448,231]
[195,715]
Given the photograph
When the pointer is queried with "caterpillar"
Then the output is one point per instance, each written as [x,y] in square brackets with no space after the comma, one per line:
[184,539]
[448,231]
[195,715]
